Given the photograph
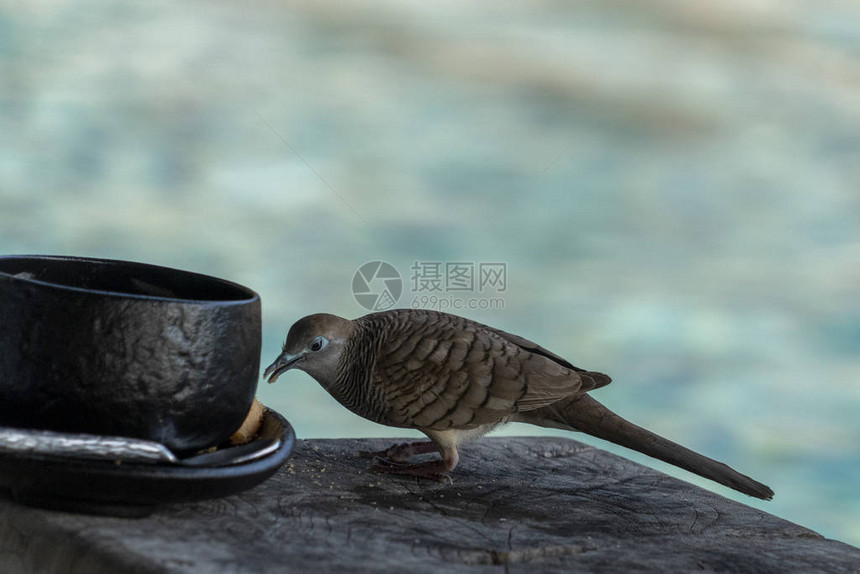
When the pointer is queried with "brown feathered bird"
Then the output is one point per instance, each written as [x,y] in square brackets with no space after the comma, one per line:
[455,379]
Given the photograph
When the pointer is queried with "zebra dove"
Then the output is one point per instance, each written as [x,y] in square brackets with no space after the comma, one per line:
[455,379]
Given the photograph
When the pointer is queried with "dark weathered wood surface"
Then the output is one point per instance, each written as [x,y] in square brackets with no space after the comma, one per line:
[516,504]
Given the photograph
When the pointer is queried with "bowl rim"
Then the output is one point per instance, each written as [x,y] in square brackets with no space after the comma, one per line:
[250,296]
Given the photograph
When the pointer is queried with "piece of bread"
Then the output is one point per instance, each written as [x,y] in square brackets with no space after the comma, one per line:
[251,426]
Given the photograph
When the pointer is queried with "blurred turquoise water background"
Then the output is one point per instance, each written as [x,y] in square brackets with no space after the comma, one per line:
[674,188]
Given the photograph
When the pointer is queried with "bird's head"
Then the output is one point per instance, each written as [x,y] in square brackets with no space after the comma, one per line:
[314,345]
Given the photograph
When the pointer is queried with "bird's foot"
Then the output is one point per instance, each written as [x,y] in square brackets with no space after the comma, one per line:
[432,470]
[403,452]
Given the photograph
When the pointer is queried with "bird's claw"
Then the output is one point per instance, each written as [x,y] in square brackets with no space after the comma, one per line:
[444,477]
[395,453]
[428,470]
[381,464]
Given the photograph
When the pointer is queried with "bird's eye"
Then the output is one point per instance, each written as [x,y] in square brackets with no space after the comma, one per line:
[318,344]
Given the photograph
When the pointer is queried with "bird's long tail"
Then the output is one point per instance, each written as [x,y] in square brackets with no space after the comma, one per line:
[589,416]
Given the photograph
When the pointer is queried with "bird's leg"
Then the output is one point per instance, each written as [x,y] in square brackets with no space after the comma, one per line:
[402,452]
[433,469]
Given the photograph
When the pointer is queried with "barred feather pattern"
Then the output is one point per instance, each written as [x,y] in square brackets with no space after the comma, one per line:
[438,371]
[353,386]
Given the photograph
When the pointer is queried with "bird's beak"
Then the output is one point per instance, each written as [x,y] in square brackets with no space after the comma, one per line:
[282,364]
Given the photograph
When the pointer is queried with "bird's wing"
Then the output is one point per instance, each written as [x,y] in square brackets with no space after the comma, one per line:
[440,371]
[531,346]
[590,379]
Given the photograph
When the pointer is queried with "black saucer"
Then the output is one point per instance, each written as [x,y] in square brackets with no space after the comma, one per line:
[135,489]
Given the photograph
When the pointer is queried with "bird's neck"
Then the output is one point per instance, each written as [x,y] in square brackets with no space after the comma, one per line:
[353,386]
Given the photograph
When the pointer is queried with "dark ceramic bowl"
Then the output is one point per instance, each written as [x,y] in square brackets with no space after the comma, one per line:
[128,349]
